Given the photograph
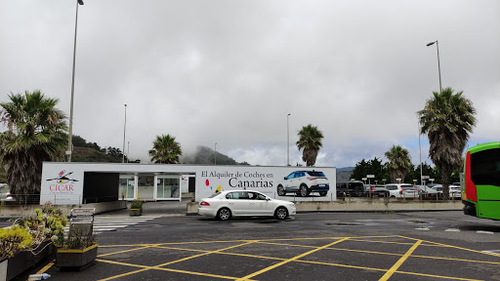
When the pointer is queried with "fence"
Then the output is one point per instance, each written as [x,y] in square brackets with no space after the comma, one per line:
[34,199]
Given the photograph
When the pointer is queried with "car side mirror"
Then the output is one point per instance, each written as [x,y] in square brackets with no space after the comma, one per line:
[285,178]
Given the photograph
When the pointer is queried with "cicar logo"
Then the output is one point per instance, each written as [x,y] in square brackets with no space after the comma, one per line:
[62,182]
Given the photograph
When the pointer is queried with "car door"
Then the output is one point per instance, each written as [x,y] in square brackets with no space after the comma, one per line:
[259,206]
[238,203]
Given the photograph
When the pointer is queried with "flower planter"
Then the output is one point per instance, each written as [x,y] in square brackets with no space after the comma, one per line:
[26,259]
[135,212]
[76,259]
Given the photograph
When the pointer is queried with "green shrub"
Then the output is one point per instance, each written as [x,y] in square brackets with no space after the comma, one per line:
[136,204]
[48,223]
[14,240]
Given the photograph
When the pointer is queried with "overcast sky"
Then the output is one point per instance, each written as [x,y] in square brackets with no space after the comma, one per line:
[229,72]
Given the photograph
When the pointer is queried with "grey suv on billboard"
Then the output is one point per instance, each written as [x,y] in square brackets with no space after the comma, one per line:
[303,183]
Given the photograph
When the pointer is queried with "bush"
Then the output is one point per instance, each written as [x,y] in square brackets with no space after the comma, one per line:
[48,223]
[14,240]
[136,204]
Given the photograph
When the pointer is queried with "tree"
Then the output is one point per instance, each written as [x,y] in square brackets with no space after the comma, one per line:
[309,140]
[165,150]
[399,162]
[36,133]
[370,167]
[447,119]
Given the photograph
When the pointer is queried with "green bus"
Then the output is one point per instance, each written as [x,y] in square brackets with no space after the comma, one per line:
[481,181]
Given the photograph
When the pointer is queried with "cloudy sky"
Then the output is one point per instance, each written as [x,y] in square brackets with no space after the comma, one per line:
[229,72]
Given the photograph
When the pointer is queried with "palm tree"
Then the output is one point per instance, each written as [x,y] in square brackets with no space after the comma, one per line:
[165,150]
[447,119]
[309,140]
[36,133]
[399,162]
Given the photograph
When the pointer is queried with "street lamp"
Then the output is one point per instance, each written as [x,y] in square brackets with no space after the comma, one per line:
[70,136]
[124,127]
[287,141]
[439,64]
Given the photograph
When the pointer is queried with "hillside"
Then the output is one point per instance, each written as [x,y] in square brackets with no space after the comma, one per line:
[206,156]
[86,154]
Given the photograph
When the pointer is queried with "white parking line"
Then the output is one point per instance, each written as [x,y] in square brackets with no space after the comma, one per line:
[423,228]
[496,252]
[485,232]
[452,230]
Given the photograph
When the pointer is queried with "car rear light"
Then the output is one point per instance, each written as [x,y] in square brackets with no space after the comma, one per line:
[311,178]
[401,191]
[203,203]
[373,189]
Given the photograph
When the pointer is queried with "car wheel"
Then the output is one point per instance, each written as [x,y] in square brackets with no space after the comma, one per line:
[303,191]
[323,193]
[281,213]
[281,190]
[224,214]
[393,196]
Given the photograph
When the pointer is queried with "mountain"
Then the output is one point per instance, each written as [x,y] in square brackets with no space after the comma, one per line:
[207,156]
[344,174]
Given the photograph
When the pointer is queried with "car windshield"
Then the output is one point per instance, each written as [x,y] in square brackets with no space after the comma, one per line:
[379,187]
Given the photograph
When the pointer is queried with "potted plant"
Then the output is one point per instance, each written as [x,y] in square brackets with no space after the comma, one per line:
[30,240]
[136,208]
[79,249]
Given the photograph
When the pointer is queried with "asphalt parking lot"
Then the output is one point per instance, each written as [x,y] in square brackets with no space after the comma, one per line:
[362,246]
[325,258]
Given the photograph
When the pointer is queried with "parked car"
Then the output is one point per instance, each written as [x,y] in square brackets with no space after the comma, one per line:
[303,183]
[244,203]
[374,190]
[426,192]
[351,188]
[455,190]
[5,193]
[402,190]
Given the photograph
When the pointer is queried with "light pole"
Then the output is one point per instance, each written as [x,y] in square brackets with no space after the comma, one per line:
[215,154]
[124,127]
[70,135]
[128,151]
[420,151]
[439,63]
[287,141]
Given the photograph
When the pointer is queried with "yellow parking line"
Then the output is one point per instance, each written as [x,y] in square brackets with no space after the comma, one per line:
[456,247]
[180,260]
[45,268]
[129,250]
[144,268]
[395,267]
[292,259]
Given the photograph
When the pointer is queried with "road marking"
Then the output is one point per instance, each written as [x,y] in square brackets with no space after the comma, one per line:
[452,230]
[495,252]
[422,228]
[485,232]
[292,259]
[160,266]
[395,267]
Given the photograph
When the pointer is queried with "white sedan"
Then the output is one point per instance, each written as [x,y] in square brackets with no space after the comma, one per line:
[248,203]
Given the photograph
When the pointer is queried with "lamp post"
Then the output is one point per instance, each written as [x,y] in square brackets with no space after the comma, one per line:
[439,63]
[128,151]
[124,127]
[70,135]
[420,151]
[287,141]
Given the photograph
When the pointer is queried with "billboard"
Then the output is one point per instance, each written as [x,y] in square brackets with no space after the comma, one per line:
[212,179]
